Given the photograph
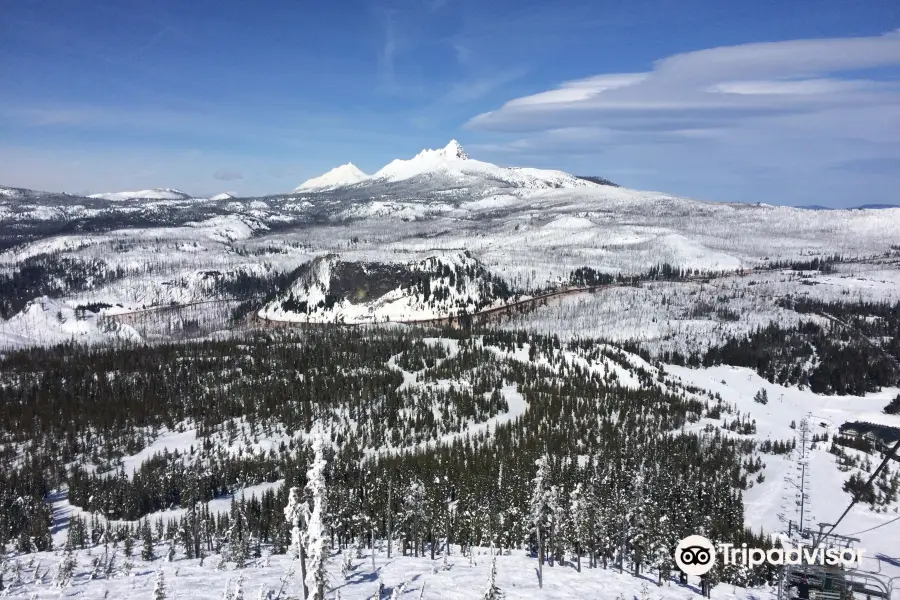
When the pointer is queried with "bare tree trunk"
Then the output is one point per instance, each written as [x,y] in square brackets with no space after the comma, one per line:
[372,546]
[578,554]
[303,571]
[540,559]
[390,532]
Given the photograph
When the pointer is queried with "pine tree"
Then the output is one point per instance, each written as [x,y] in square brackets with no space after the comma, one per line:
[537,514]
[295,515]
[239,588]
[761,397]
[159,588]
[128,544]
[493,592]
[66,568]
[557,514]
[316,531]
[239,534]
[414,511]
[148,553]
[399,590]
[580,520]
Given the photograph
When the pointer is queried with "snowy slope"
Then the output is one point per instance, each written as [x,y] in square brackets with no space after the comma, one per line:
[330,291]
[457,578]
[46,322]
[340,176]
[770,504]
[154,194]
[222,196]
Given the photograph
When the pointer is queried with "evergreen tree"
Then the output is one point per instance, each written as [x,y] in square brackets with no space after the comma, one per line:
[493,592]
[295,515]
[537,513]
[316,531]
[159,587]
[148,552]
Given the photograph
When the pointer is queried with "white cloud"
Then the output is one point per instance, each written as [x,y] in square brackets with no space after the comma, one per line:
[725,123]
[751,79]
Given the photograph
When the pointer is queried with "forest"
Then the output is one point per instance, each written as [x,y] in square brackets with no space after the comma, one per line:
[603,468]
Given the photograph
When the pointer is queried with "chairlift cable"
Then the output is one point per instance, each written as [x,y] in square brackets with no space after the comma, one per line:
[872,477]
[876,527]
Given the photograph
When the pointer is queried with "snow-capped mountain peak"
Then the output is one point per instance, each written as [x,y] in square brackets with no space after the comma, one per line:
[452,151]
[453,164]
[449,165]
[347,174]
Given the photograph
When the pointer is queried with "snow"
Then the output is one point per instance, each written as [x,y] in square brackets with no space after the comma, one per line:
[229,228]
[461,580]
[45,322]
[221,197]
[343,175]
[770,505]
[155,194]
[453,162]
[398,305]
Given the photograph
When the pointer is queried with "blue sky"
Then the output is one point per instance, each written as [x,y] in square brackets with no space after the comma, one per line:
[783,102]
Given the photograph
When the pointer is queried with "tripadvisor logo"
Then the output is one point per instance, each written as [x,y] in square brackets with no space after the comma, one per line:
[696,555]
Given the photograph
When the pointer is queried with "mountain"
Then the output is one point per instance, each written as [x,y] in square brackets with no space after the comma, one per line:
[860,207]
[448,167]
[341,176]
[330,290]
[154,194]
[875,206]
[222,196]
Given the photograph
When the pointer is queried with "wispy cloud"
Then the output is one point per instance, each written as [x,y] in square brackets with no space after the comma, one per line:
[719,84]
[228,174]
[388,52]
[474,89]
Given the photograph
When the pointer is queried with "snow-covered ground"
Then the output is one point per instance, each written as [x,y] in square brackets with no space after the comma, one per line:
[155,193]
[459,579]
[692,316]
[770,505]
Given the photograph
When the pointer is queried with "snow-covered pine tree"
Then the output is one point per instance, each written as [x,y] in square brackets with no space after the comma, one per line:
[493,592]
[345,564]
[147,550]
[66,569]
[159,587]
[579,521]
[661,544]
[414,512]
[239,534]
[186,536]
[295,513]
[399,591]
[316,530]
[558,517]
[238,588]
[537,510]
[128,544]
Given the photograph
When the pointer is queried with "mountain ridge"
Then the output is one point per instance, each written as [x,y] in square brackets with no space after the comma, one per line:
[450,164]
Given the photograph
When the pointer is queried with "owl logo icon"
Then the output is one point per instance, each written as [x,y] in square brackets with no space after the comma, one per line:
[695,555]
